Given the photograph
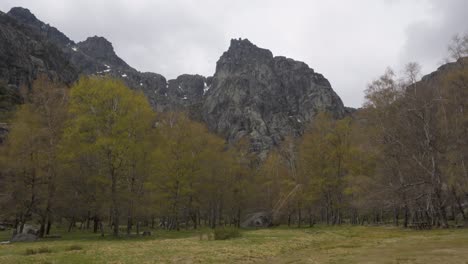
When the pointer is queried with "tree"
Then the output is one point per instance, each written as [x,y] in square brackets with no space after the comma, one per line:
[323,154]
[111,123]
[31,152]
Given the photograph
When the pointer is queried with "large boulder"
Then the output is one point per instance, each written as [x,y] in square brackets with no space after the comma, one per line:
[30,229]
[257,220]
[24,237]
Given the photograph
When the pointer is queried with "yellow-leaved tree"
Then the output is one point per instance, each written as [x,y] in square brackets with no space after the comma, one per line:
[112,125]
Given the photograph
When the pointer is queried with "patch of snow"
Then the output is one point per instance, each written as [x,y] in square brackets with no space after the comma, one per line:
[165,94]
[298,120]
[184,98]
[141,84]
[107,66]
[124,75]
[205,87]
[167,85]
[75,49]
[108,70]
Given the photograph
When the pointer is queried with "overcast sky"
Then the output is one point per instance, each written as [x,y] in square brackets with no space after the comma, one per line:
[350,42]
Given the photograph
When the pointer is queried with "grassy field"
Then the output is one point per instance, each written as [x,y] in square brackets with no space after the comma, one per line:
[278,245]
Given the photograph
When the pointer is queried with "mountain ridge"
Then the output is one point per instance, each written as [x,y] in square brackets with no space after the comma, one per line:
[252,93]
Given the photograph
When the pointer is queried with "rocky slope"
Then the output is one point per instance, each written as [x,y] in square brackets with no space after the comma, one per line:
[263,97]
[251,94]
[25,53]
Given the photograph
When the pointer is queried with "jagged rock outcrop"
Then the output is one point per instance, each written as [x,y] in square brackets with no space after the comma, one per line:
[263,97]
[25,53]
[25,17]
[187,89]
[187,93]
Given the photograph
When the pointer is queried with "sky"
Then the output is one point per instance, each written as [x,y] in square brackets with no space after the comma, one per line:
[349,42]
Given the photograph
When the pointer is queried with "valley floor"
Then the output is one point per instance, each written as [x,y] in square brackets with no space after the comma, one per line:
[278,245]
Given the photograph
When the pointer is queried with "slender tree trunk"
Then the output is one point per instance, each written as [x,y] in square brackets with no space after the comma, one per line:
[101,227]
[72,223]
[396,213]
[459,204]
[49,224]
[95,223]
[115,207]
[299,215]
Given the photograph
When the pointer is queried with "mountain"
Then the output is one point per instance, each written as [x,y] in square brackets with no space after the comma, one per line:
[25,52]
[263,97]
[252,93]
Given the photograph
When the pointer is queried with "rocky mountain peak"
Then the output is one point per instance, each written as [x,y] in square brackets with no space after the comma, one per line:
[25,17]
[101,49]
[265,98]
[242,54]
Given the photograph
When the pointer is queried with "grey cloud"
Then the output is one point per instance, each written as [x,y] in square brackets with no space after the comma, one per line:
[350,42]
[427,40]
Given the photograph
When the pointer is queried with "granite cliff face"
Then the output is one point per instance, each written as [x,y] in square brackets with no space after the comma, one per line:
[263,97]
[252,93]
[25,53]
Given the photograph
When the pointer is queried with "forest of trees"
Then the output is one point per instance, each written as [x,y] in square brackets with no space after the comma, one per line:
[97,156]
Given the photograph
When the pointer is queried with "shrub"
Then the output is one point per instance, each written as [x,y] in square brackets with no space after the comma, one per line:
[224,233]
[74,247]
[44,250]
[41,250]
[30,251]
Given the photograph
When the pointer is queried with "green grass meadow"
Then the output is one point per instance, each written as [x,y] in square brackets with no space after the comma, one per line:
[344,244]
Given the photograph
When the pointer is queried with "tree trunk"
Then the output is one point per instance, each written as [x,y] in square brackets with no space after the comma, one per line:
[396,213]
[49,224]
[95,223]
[115,208]
[72,223]
[101,227]
[405,222]
[299,215]
[459,204]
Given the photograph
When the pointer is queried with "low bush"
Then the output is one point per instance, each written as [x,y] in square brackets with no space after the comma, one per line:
[44,250]
[223,233]
[41,250]
[74,247]
[30,251]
